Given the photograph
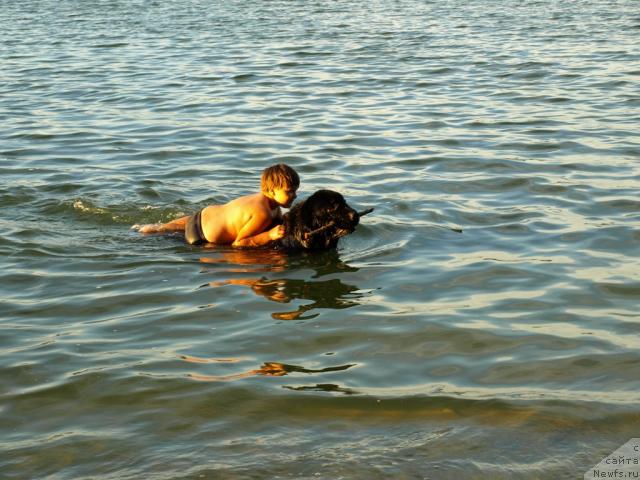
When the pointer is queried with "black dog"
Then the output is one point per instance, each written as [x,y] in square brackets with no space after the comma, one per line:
[318,222]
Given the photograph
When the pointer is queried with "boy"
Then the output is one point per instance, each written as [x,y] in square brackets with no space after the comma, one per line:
[245,221]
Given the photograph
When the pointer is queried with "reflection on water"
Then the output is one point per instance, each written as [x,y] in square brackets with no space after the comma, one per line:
[268,369]
[328,294]
[323,387]
[246,261]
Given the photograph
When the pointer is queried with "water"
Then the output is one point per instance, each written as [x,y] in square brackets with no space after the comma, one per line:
[510,350]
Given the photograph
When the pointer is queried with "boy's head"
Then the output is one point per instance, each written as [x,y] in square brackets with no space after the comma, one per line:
[279,176]
[280,182]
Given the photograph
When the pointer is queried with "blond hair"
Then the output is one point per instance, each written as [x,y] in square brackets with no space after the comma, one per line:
[279,176]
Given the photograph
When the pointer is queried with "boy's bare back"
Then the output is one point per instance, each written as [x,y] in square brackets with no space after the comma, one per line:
[241,219]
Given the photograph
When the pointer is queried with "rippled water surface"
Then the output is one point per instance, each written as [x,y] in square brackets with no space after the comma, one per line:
[510,350]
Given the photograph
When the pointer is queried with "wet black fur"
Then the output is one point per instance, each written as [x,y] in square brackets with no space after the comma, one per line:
[324,207]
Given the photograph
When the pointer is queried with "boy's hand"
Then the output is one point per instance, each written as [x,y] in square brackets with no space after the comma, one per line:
[276,232]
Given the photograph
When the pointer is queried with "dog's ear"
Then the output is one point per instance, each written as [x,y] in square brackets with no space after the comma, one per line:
[298,221]
[307,214]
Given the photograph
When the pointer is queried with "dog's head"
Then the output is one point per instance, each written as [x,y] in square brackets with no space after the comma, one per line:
[321,220]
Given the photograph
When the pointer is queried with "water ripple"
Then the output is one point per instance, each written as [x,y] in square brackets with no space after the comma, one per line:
[489,304]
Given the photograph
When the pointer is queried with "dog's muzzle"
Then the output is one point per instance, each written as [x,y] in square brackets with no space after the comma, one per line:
[348,221]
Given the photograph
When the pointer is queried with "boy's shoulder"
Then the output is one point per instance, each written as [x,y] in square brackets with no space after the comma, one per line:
[256,200]
[253,204]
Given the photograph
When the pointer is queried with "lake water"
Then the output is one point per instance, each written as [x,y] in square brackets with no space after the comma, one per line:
[510,350]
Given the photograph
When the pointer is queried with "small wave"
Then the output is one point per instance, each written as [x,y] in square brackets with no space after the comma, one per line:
[80,205]
[120,214]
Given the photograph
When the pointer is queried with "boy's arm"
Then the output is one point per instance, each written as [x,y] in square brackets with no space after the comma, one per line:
[253,234]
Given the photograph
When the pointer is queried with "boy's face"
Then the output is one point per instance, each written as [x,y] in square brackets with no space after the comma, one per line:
[284,196]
